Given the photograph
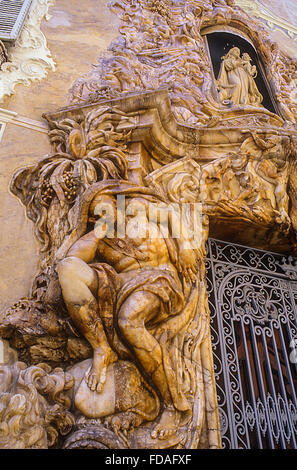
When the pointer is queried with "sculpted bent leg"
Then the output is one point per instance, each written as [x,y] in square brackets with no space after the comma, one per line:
[79,283]
[137,310]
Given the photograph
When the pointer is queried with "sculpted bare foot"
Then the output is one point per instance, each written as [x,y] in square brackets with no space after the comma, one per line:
[123,421]
[167,425]
[96,376]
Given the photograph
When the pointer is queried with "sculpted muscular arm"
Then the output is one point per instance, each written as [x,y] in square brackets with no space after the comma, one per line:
[188,256]
[85,248]
[79,285]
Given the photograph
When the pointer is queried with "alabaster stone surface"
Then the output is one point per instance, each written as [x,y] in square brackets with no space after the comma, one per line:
[236,82]
[113,339]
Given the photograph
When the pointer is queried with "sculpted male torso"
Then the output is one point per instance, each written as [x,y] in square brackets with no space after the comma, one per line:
[132,257]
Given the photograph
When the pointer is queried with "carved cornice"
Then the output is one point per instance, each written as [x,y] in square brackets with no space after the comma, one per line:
[153,122]
[150,120]
[258,10]
[29,59]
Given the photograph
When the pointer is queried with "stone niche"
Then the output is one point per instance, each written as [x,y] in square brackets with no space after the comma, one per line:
[220,42]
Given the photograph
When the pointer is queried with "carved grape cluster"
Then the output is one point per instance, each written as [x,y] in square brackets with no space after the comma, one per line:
[70,185]
[19,305]
[47,193]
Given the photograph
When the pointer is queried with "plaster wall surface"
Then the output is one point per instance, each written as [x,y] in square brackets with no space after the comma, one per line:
[280,17]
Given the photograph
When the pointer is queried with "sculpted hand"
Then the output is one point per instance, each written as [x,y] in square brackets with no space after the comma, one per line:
[187,265]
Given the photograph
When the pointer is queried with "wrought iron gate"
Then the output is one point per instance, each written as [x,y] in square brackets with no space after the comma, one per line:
[252,297]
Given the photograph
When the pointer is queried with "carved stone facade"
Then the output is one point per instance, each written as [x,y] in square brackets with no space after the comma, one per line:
[114,338]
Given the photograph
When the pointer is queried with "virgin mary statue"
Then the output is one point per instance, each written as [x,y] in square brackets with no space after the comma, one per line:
[236,82]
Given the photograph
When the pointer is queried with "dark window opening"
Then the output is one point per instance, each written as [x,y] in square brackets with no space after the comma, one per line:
[220,43]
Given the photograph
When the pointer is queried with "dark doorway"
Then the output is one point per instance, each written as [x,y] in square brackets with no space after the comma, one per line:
[220,43]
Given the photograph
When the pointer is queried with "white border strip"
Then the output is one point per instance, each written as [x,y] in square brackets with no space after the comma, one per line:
[12,117]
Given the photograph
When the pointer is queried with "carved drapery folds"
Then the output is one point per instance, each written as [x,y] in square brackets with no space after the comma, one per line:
[125,314]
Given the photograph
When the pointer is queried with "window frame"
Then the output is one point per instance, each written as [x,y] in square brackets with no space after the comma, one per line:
[14,32]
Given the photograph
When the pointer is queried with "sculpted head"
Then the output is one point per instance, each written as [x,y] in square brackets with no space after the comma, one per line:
[246,57]
[234,52]
[184,188]
[102,203]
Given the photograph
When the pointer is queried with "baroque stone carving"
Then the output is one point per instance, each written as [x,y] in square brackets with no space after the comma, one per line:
[29,58]
[236,82]
[143,319]
[3,53]
[254,179]
[120,303]
[34,406]
[162,45]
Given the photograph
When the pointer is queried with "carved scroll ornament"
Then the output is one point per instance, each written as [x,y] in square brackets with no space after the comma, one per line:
[29,59]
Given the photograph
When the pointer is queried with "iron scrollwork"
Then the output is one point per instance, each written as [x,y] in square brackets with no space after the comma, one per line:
[253,320]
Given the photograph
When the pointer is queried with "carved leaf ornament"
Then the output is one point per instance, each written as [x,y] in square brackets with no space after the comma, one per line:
[87,150]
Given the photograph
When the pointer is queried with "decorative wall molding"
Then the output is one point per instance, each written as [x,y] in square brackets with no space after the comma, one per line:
[12,117]
[29,59]
[256,9]
[7,116]
[37,126]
